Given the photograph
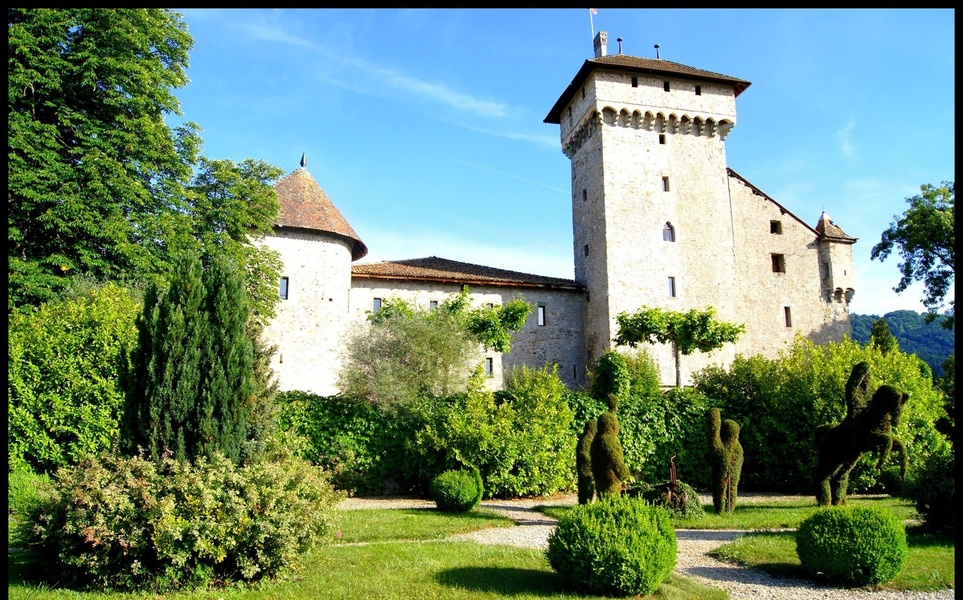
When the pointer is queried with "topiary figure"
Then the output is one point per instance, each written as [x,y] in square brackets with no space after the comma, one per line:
[866,428]
[726,456]
[457,490]
[583,462]
[617,546]
[852,546]
[608,461]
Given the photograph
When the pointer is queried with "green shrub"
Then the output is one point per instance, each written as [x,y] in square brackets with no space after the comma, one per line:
[682,504]
[780,402]
[23,490]
[133,524]
[63,396]
[934,490]
[852,546]
[616,546]
[457,491]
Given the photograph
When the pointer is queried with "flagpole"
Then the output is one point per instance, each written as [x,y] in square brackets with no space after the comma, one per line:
[592,23]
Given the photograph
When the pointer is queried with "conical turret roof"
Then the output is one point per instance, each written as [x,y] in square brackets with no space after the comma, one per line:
[830,231]
[304,205]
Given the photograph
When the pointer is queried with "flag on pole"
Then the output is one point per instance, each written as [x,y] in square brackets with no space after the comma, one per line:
[595,11]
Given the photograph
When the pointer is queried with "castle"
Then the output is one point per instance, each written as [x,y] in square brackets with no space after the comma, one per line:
[659,219]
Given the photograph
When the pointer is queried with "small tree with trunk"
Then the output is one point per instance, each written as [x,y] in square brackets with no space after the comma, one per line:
[694,330]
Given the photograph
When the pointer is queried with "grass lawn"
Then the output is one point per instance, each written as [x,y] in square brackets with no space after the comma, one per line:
[401,554]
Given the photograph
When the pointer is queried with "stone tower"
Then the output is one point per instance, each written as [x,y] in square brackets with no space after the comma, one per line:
[660,221]
[317,247]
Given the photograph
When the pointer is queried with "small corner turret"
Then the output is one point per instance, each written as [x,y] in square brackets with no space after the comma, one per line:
[836,255]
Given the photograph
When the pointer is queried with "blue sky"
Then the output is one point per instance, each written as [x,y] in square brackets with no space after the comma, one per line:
[425,126]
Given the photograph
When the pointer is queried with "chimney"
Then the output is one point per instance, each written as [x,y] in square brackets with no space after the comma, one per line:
[601,40]
[619,40]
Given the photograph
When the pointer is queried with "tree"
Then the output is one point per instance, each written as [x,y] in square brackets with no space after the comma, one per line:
[881,337]
[190,384]
[686,331]
[925,238]
[405,352]
[98,184]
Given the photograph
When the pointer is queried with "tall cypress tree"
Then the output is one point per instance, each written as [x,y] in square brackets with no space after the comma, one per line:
[190,382]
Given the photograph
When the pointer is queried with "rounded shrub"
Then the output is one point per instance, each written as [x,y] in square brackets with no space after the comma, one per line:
[852,546]
[616,546]
[457,490]
[934,490]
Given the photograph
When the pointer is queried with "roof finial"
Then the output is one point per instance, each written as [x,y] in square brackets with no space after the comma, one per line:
[304,159]
[657,55]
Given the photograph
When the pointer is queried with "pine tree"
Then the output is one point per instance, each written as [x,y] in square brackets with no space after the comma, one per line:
[190,383]
[881,336]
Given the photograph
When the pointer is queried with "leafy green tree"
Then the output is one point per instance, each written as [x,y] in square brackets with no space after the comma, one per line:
[404,352]
[686,331]
[98,184]
[93,169]
[924,236]
[63,359]
[190,384]
[881,337]
[929,340]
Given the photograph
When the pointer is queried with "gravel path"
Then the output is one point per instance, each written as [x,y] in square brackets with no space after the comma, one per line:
[534,527]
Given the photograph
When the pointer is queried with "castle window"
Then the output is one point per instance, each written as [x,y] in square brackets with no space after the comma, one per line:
[432,304]
[491,305]
[585,250]
[489,366]
[698,90]
[284,288]
[376,305]
[775,227]
[778,263]
[540,314]
[665,184]
[662,138]
[665,85]
[787,313]
[583,92]
[584,195]
[668,233]
[672,287]
[635,82]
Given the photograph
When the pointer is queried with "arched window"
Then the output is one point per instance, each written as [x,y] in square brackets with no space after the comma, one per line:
[668,233]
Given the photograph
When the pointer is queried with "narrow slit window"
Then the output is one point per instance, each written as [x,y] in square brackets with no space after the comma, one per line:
[662,138]
[668,233]
[787,313]
[698,90]
[540,314]
[665,184]
[778,263]
[586,250]
[775,227]
[584,195]
[284,288]
[376,305]
[665,85]
[489,366]
[635,82]
[672,290]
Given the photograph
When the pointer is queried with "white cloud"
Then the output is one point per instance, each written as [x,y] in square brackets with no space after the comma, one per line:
[845,138]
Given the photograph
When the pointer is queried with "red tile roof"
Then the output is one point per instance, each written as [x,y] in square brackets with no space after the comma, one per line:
[830,231]
[442,270]
[645,66]
[304,205]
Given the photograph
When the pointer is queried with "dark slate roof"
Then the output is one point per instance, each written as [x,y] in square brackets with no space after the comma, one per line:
[304,205]
[831,232]
[644,66]
[442,270]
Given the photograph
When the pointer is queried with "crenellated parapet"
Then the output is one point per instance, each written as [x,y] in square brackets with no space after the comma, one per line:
[659,122]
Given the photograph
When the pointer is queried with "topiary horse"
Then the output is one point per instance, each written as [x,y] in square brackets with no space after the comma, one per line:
[608,460]
[583,462]
[864,429]
[726,455]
